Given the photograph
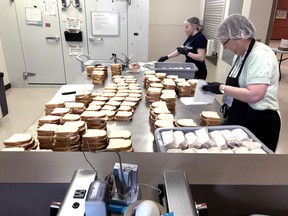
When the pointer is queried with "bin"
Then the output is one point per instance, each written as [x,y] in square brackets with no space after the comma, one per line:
[161,148]
[3,101]
[182,69]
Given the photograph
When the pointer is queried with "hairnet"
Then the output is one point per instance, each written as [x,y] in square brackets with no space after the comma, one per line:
[236,26]
[195,21]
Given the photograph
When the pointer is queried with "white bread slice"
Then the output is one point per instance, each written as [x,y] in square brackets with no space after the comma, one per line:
[93,107]
[165,116]
[159,110]
[164,124]
[109,107]
[202,150]
[129,103]
[203,137]
[168,139]
[119,144]
[18,139]
[86,115]
[227,151]
[230,138]
[210,115]
[174,151]
[241,150]
[251,144]
[21,149]
[79,124]
[123,116]
[113,103]
[214,150]
[70,117]
[47,128]
[189,150]
[257,151]
[217,137]
[240,134]
[116,134]
[94,133]
[49,118]
[150,72]
[191,139]
[186,123]
[180,140]
[125,108]
[74,105]
[158,104]
[69,131]
[99,103]
[53,104]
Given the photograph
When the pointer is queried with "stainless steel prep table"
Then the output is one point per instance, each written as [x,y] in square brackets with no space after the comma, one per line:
[141,127]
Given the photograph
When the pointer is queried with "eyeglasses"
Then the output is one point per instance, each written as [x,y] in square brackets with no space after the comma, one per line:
[226,42]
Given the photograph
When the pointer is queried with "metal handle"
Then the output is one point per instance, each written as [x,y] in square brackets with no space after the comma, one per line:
[78,57]
[56,38]
[95,39]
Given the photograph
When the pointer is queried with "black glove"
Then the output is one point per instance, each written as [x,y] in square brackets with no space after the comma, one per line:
[182,51]
[212,87]
[163,58]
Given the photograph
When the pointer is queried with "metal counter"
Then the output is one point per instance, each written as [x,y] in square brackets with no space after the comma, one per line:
[141,128]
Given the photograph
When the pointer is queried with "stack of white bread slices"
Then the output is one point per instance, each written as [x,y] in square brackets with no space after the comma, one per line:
[66,138]
[120,140]
[45,135]
[21,140]
[93,140]
[209,118]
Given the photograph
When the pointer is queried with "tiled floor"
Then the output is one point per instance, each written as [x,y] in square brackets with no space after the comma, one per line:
[282,147]
[27,104]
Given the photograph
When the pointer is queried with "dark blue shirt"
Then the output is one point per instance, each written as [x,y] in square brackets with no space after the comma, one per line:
[192,44]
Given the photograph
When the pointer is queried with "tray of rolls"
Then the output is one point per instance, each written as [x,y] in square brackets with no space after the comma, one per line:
[227,139]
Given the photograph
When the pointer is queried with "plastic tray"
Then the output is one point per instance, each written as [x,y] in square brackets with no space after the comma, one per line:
[182,69]
[161,148]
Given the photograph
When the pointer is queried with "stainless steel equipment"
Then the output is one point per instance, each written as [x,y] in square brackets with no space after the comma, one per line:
[74,201]
[178,196]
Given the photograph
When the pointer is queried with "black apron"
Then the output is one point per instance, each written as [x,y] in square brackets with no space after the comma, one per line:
[264,124]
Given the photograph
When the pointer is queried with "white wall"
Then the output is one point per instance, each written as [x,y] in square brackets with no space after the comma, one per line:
[166,25]
[9,32]
[261,20]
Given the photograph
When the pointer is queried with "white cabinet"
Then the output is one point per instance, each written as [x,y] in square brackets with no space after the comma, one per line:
[37,51]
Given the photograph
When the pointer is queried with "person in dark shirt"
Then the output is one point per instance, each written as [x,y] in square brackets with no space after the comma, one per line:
[194,48]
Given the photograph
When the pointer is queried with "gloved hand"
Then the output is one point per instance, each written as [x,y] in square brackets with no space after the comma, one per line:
[182,51]
[212,87]
[163,58]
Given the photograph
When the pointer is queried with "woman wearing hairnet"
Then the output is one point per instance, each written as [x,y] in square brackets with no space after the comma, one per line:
[194,48]
[250,91]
